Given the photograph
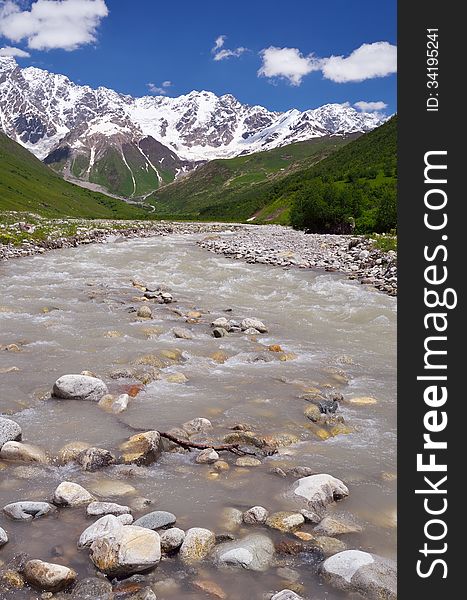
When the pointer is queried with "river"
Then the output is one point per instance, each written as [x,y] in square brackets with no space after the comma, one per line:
[59,307]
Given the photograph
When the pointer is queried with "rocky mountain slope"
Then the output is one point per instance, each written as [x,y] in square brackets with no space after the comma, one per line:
[132,146]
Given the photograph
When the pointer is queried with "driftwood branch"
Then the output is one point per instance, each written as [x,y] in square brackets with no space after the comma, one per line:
[234,448]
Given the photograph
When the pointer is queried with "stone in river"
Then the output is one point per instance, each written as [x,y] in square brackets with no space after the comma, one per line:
[144,312]
[104,526]
[9,431]
[171,539]
[197,544]
[142,448]
[252,323]
[285,521]
[23,452]
[71,494]
[108,487]
[255,515]
[92,588]
[221,322]
[79,387]
[318,491]
[156,520]
[99,509]
[48,576]
[247,461]
[354,571]
[207,456]
[70,451]
[286,595]
[130,550]
[210,588]
[182,333]
[332,526]
[198,425]
[219,332]
[27,511]
[310,516]
[254,552]
[94,459]
[3,537]
[114,405]
[327,545]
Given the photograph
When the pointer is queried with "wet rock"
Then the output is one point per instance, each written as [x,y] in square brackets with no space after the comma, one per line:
[198,425]
[313,413]
[27,511]
[99,509]
[157,519]
[79,387]
[285,521]
[254,552]
[70,451]
[23,452]
[362,401]
[210,588]
[12,579]
[142,448]
[92,588]
[206,457]
[219,332]
[252,323]
[144,312]
[327,545]
[371,576]
[300,471]
[247,461]
[318,491]
[221,465]
[130,550]
[311,516]
[232,518]
[280,440]
[71,494]
[288,574]
[219,356]
[9,431]
[278,471]
[114,405]
[48,576]
[182,333]
[255,515]
[286,595]
[221,322]
[176,378]
[94,459]
[251,331]
[332,526]
[105,526]
[3,537]
[197,544]
[108,487]
[126,519]
[171,539]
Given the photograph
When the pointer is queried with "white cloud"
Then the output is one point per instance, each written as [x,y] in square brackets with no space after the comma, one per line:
[367,62]
[160,90]
[287,63]
[221,53]
[15,52]
[370,106]
[51,24]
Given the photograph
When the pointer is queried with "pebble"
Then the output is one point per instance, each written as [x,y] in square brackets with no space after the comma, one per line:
[253,323]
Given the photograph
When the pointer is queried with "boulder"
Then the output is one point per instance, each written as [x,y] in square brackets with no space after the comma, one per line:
[130,550]
[99,509]
[48,576]
[142,448]
[71,494]
[79,387]
[318,491]
[255,515]
[9,431]
[197,544]
[157,519]
[104,526]
[94,459]
[253,323]
[27,511]
[171,539]
[254,552]
[285,521]
[372,576]
[23,452]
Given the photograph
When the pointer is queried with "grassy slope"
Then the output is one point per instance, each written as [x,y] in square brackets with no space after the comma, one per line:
[26,184]
[232,185]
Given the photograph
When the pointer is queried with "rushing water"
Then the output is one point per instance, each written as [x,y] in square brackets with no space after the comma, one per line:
[329,323]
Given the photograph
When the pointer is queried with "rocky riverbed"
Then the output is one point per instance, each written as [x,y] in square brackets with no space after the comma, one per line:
[178,425]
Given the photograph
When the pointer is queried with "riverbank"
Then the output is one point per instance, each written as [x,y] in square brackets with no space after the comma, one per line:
[356,256]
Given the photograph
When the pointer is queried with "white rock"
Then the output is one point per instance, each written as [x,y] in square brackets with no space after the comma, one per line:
[286,595]
[254,552]
[79,387]
[9,431]
[255,515]
[71,494]
[253,323]
[207,456]
[98,509]
[171,539]
[221,322]
[3,537]
[319,490]
[104,526]
[198,425]
[23,452]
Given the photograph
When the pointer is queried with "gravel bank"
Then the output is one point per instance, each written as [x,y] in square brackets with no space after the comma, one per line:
[355,256]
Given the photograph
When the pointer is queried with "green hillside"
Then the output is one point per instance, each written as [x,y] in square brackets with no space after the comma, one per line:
[354,185]
[26,184]
[230,188]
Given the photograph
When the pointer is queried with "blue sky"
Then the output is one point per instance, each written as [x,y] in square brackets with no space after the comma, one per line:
[273,54]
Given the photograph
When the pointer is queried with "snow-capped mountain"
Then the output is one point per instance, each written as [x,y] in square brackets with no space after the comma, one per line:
[132,145]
